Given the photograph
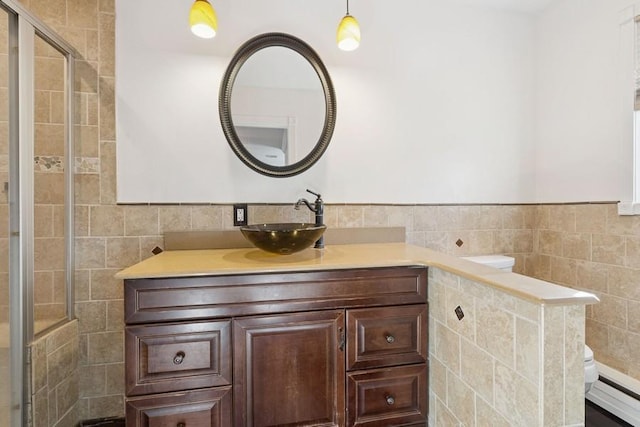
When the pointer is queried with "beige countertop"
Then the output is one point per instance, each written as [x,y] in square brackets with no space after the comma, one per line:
[181,263]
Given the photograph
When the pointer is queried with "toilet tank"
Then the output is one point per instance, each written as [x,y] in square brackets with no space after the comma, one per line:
[500,262]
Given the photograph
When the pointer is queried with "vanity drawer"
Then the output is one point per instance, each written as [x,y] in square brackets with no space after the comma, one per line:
[386,336]
[207,297]
[172,357]
[385,397]
[202,408]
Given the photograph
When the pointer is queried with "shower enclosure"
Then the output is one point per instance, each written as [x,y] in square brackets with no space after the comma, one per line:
[36,204]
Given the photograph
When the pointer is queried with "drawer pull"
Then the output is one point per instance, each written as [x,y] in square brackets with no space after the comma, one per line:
[181,425]
[390,400]
[178,359]
[390,338]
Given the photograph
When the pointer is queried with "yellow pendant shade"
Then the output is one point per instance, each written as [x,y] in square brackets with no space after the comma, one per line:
[202,19]
[348,33]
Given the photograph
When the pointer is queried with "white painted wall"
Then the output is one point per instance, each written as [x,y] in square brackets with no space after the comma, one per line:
[584,129]
[436,106]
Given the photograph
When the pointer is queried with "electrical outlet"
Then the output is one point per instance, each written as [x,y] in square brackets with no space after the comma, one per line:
[240,214]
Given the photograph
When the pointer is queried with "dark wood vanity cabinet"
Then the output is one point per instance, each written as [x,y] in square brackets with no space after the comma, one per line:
[316,348]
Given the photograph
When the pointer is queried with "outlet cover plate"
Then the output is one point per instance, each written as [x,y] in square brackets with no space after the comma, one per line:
[240,214]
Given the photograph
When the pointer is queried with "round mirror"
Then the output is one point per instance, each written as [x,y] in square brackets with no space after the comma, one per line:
[277,105]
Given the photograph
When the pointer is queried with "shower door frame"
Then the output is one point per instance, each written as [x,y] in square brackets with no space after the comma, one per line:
[23,28]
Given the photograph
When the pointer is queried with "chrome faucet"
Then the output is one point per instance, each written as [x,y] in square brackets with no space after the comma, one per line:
[318,209]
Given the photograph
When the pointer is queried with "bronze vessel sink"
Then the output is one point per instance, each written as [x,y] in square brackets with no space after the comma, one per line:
[283,238]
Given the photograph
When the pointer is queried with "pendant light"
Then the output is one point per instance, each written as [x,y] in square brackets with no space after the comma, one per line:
[202,19]
[348,32]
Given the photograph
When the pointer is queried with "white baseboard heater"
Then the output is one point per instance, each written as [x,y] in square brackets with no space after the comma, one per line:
[617,393]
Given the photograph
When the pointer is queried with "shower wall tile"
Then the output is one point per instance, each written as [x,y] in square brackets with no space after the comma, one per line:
[4,219]
[4,255]
[43,226]
[48,188]
[48,139]
[4,106]
[41,408]
[54,373]
[49,253]
[4,298]
[42,103]
[49,73]
[82,13]
[107,50]
[107,109]
[42,287]
[87,141]
[106,221]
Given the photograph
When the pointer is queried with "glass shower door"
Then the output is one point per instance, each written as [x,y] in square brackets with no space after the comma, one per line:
[36,198]
[49,186]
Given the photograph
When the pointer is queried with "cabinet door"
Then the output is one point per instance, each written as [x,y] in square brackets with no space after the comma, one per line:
[386,336]
[175,357]
[388,397]
[201,408]
[289,370]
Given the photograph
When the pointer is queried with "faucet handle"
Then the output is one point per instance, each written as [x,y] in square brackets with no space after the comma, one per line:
[315,194]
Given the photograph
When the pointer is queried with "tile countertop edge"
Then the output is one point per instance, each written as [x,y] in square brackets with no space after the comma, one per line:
[184,263]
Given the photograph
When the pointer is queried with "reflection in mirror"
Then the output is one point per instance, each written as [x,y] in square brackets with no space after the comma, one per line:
[277,105]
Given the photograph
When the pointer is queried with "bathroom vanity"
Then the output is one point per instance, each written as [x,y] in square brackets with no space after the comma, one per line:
[331,347]
[333,337]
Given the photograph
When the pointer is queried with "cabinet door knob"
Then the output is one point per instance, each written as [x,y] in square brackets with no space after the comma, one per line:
[390,338]
[181,425]
[177,359]
[390,400]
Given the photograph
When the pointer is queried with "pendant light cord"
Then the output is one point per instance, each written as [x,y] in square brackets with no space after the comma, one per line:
[347,7]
